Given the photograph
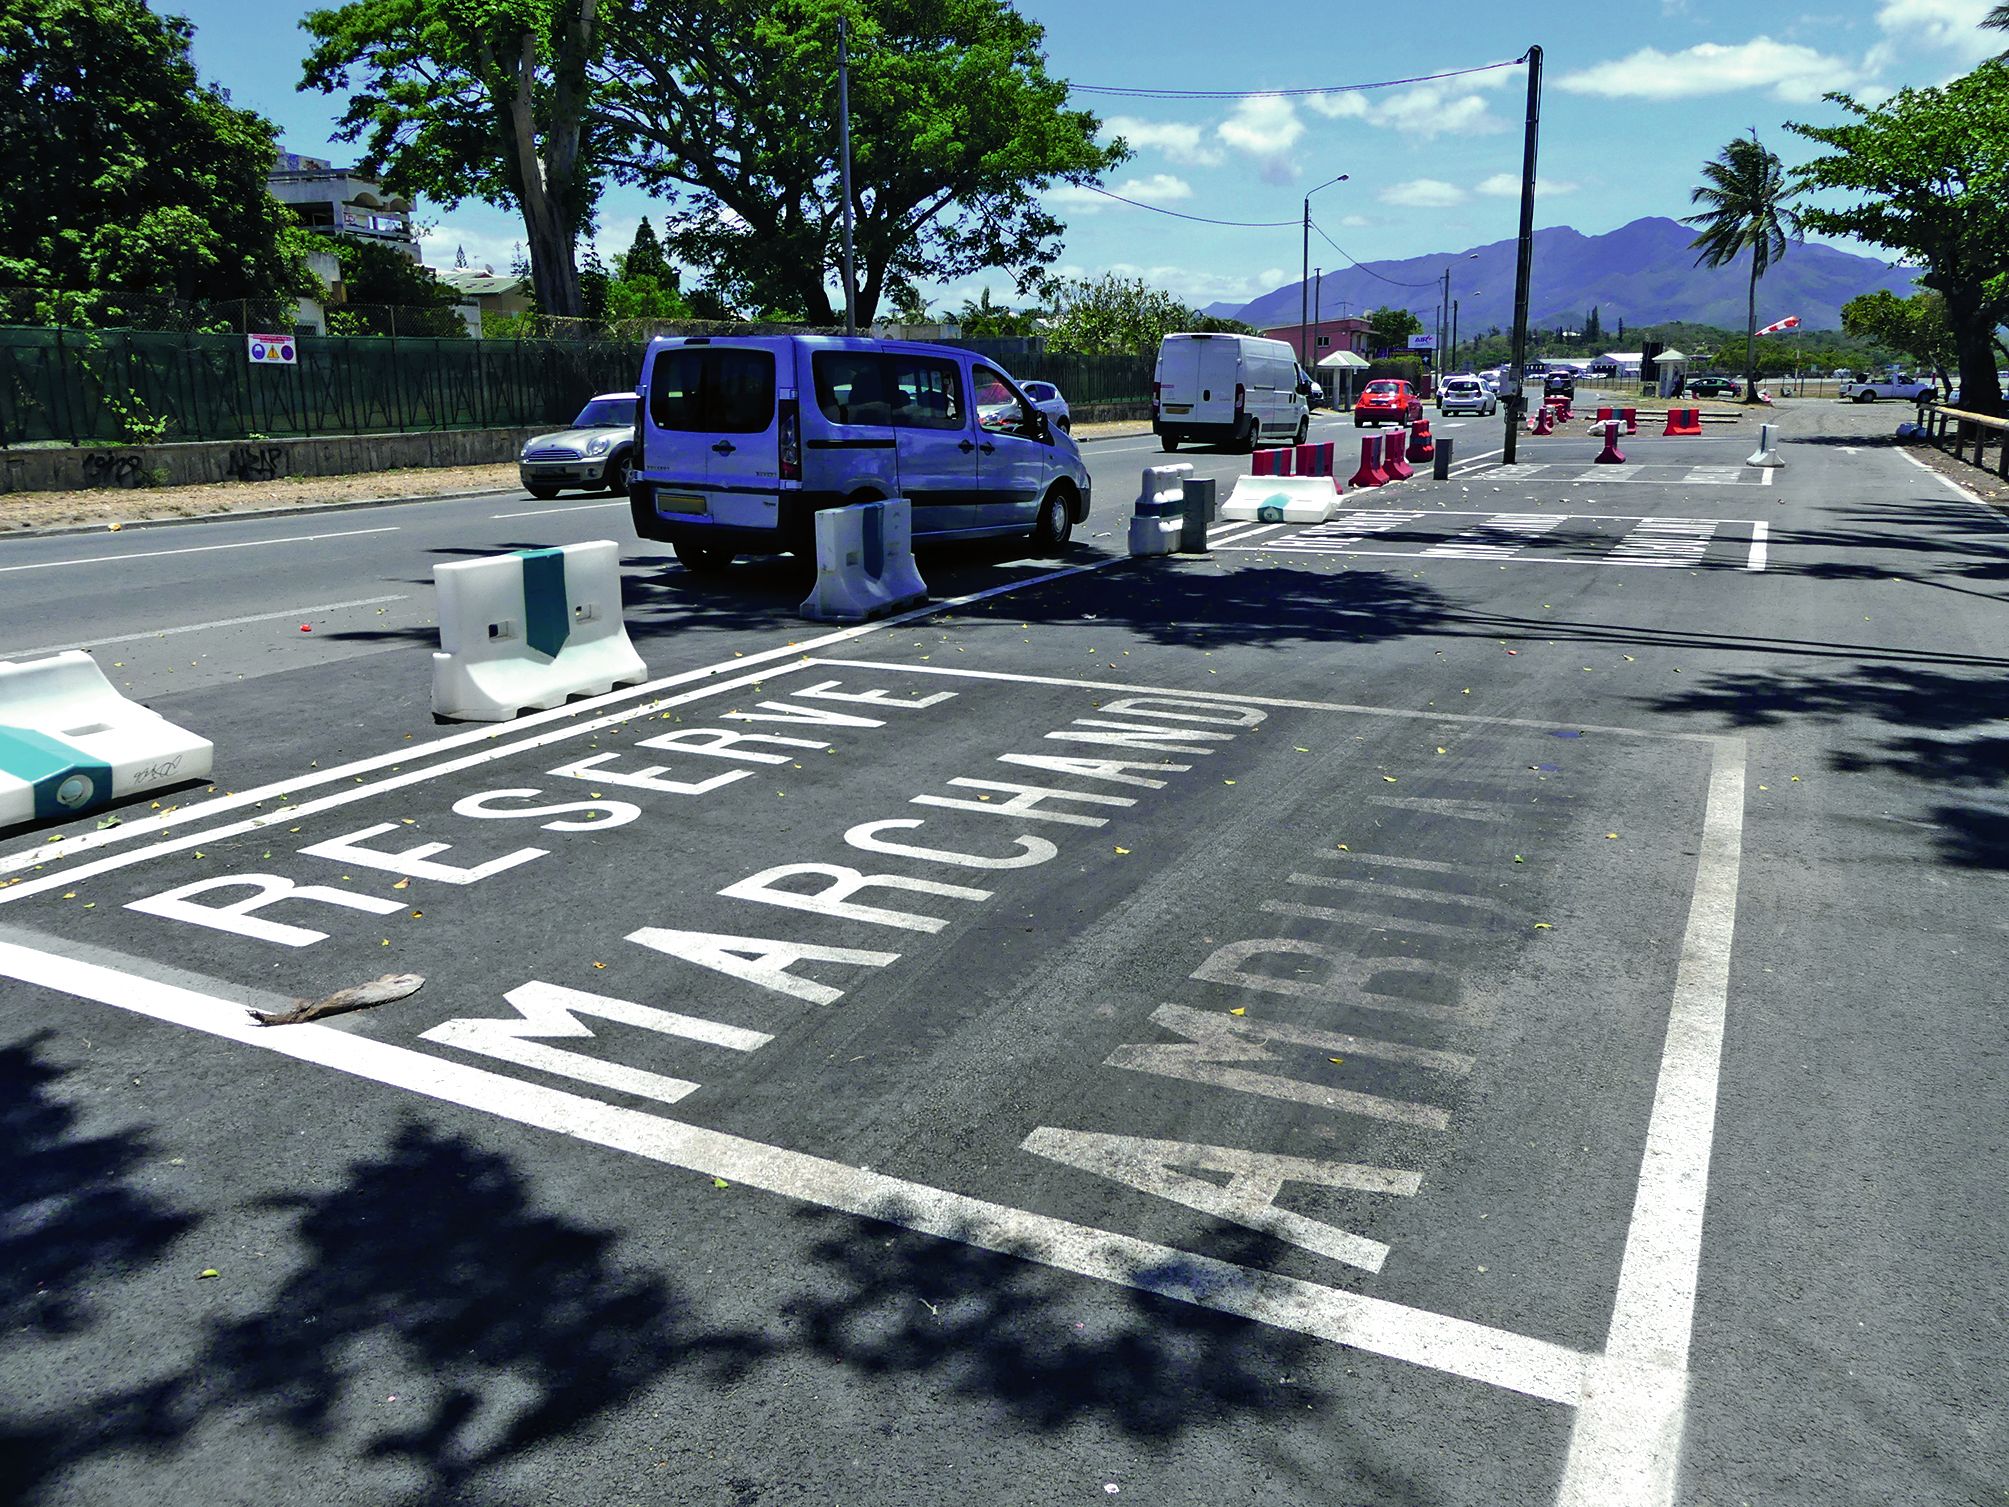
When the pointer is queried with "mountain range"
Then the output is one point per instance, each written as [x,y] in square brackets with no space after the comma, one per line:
[1643,273]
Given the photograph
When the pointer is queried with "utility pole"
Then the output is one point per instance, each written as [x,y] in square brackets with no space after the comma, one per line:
[844,150]
[1304,274]
[1525,261]
[1454,337]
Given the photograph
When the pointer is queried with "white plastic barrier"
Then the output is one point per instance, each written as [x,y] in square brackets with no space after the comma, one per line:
[1281,499]
[525,631]
[1767,453]
[864,563]
[1159,517]
[70,744]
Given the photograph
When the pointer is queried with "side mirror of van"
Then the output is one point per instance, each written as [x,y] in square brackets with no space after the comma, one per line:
[1304,389]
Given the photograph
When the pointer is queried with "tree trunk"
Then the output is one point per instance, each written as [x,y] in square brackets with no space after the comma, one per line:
[1751,335]
[1974,339]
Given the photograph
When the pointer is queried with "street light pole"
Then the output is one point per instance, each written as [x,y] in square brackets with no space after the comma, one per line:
[1304,273]
[844,149]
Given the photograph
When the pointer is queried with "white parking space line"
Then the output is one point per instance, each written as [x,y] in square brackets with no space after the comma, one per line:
[575,507]
[1625,1450]
[222,622]
[197,549]
[1965,493]
[1760,533]
[1533,1367]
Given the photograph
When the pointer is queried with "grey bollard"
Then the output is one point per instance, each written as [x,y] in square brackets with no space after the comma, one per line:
[1440,467]
[1199,497]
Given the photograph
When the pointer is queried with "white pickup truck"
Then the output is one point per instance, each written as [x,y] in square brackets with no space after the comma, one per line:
[1909,389]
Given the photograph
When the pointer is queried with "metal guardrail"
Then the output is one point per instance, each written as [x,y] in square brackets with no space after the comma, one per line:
[1975,428]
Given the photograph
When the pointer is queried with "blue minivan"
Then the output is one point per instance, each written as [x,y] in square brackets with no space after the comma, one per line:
[739,440]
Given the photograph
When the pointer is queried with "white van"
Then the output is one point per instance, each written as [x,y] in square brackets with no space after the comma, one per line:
[1234,390]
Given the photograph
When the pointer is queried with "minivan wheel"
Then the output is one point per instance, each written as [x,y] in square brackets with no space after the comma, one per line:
[701,560]
[1056,520]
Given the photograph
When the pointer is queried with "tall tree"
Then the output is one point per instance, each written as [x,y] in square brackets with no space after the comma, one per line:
[1998,20]
[460,258]
[121,170]
[956,127]
[1927,175]
[485,99]
[1916,326]
[1113,315]
[1390,329]
[644,257]
[1748,209]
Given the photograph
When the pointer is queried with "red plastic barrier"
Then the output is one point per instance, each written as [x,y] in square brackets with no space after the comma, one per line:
[1545,421]
[1631,417]
[1683,421]
[1611,455]
[1421,446]
[1370,473]
[1271,463]
[1393,466]
[1316,459]
[1603,414]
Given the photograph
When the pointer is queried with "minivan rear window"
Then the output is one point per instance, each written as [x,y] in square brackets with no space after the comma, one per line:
[926,392]
[713,390]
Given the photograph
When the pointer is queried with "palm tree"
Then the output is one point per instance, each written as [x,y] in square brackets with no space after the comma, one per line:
[1997,20]
[1748,209]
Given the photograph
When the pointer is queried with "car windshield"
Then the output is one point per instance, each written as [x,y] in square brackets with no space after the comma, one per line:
[606,413]
[1383,389]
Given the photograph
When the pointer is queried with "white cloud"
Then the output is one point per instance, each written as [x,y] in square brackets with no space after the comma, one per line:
[1423,193]
[1424,110]
[1508,186]
[1354,222]
[1205,287]
[1949,26]
[1177,140]
[1159,188]
[1787,70]
[1265,129]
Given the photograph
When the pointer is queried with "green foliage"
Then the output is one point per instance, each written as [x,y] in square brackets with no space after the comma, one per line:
[137,424]
[644,257]
[1926,174]
[905,304]
[120,169]
[377,275]
[1998,20]
[1218,324]
[956,127]
[981,319]
[1747,210]
[641,296]
[1113,315]
[1916,326]
[485,99]
[1390,329]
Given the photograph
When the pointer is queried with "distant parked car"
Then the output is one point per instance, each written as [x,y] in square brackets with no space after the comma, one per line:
[1047,399]
[1714,387]
[1898,386]
[1387,400]
[1560,383]
[1466,394]
[593,453]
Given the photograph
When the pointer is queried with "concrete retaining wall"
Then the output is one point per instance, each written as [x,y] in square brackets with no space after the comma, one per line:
[63,469]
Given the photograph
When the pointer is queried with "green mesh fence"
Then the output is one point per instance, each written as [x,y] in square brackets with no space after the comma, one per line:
[77,386]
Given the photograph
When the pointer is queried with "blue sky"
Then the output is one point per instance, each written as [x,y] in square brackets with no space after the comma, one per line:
[1638,95]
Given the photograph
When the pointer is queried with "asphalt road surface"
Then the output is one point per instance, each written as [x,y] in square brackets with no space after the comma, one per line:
[1494,999]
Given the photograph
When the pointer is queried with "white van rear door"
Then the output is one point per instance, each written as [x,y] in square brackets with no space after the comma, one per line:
[1196,379]
[743,472]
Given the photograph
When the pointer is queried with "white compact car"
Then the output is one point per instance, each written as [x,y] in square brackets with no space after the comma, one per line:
[1047,399]
[593,453]
[1466,394]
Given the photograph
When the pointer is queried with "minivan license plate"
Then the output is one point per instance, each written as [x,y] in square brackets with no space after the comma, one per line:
[675,502]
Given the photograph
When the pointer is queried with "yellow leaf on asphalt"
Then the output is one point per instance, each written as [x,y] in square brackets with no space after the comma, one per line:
[1335,1059]
[1796,780]
[402,884]
[1611,834]
[719,1182]
[1390,778]
[1442,750]
[1123,850]
[207,1271]
[1543,926]
[1342,847]
[1239,1010]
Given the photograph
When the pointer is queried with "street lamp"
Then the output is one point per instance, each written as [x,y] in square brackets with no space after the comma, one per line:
[1304,278]
[1444,315]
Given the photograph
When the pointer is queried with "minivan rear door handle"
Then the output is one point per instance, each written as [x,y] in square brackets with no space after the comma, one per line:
[967,446]
[988,448]
[725,447]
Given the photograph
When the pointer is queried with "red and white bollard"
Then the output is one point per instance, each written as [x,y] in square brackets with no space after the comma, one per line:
[1421,447]
[1370,473]
[1544,421]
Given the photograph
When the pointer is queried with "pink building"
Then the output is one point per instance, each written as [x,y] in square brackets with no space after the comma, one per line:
[1327,336]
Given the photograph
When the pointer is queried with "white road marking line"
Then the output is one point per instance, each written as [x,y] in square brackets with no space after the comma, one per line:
[1517,1363]
[222,622]
[574,507]
[1768,476]
[1957,489]
[1760,530]
[1501,536]
[1417,554]
[50,852]
[1237,533]
[1234,699]
[1666,542]
[198,549]
[1625,1450]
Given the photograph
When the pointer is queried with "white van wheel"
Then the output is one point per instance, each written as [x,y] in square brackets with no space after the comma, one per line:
[1304,429]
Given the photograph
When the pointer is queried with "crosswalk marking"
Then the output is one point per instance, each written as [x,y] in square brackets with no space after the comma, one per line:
[1499,536]
[1342,533]
[1666,542]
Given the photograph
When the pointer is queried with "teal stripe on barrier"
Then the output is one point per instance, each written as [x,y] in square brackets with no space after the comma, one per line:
[875,539]
[547,616]
[67,782]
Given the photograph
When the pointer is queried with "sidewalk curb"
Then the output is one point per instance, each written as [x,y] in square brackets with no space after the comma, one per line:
[300,510]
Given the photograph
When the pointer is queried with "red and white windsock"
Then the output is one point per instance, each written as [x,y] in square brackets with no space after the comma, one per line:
[1791,322]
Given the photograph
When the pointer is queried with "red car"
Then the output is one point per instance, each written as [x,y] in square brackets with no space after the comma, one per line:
[1387,401]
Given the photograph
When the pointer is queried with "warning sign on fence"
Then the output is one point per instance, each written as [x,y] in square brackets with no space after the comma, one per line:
[270,350]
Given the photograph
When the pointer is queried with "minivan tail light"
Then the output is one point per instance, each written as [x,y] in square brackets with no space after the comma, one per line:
[1241,397]
[790,435]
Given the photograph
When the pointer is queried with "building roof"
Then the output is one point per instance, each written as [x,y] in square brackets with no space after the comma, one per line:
[484,284]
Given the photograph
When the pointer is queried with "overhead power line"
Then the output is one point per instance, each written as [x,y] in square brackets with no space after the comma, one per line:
[1392,282]
[1388,83]
[1177,215]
